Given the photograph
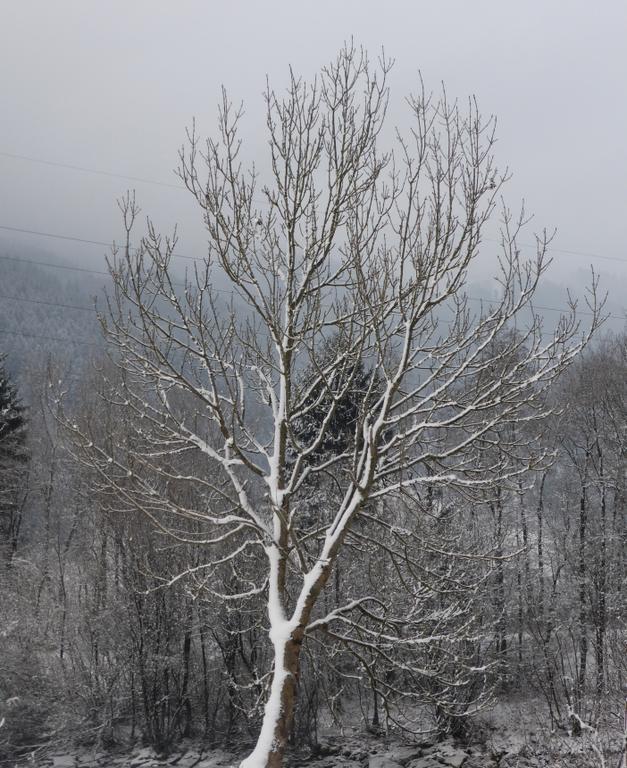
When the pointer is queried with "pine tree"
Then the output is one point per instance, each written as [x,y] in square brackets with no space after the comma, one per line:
[348,391]
[13,459]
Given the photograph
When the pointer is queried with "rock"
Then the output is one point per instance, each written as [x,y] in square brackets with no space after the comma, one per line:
[63,761]
[449,755]
[512,761]
[383,761]
[427,740]
[218,758]
[187,760]
[425,762]
[404,753]
[145,755]
[455,760]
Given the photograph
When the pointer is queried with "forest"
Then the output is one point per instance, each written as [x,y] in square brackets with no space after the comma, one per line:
[338,494]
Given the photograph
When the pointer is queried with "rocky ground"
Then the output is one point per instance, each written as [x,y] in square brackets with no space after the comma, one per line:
[515,735]
[363,752]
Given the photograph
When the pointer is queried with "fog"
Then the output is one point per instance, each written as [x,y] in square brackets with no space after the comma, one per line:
[112,86]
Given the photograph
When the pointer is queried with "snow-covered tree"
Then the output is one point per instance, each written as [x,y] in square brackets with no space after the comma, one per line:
[339,239]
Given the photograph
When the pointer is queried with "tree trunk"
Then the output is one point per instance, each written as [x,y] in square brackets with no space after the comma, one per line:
[601,613]
[522,579]
[187,645]
[279,710]
[582,573]
[501,623]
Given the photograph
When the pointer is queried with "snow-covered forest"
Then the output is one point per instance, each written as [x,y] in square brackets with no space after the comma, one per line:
[332,495]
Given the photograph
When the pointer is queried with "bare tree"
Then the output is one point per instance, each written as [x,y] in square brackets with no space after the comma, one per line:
[342,240]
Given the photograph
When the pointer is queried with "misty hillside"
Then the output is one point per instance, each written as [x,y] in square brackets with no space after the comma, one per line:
[45,313]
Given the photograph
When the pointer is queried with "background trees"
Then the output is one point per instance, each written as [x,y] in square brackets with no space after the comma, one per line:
[77,631]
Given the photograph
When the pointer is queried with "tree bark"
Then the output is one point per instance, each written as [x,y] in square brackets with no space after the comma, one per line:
[280,706]
[582,574]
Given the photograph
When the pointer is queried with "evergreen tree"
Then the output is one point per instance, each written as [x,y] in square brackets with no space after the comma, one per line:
[350,389]
[13,459]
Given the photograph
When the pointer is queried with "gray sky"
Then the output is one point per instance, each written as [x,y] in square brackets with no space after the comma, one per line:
[112,85]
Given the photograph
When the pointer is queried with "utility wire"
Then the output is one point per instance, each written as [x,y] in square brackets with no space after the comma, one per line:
[73,167]
[544,308]
[74,239]
[66,340]
[196,259]
[99,172]
[54,266]
[20,299]
[96,344]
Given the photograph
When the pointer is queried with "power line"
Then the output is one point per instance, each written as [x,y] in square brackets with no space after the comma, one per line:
[65,340]
[54,266]
[100,172]
[95,344]
[561,310]
[193,258]
[550,248]
[21,299]
[580,253]
[75,239]
[90,271]
[51,265]
[97,171]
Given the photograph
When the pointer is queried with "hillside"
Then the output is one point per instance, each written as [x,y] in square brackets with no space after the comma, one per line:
[46,314]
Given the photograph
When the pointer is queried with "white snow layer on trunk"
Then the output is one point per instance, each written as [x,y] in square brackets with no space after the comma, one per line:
[280,636]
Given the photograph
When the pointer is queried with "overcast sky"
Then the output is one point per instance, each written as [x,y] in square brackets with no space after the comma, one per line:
[112,85]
